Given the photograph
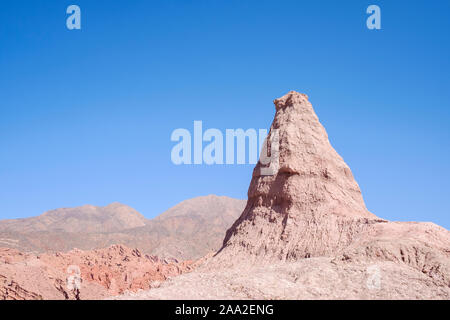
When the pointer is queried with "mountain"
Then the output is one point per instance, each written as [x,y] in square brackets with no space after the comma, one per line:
[189,230]
[217,207]
[306,233]
[113,217]
[192,228]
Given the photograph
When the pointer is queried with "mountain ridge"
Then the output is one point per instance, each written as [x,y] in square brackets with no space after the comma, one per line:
[187,230]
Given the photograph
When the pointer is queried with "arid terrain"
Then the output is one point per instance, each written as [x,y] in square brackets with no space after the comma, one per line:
[304,233]
[37,255]
[189,230]
[77,274]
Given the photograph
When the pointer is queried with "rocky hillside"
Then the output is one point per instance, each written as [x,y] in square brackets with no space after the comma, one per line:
[189,230]
[80,275]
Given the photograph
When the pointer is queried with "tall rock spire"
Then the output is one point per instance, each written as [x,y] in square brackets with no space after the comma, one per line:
[311,204]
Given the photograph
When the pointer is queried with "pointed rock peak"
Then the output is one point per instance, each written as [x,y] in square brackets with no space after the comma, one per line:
[290,99]
[304,206]
[310,174]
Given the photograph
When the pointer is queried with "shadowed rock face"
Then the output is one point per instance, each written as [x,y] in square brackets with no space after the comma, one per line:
[312,205]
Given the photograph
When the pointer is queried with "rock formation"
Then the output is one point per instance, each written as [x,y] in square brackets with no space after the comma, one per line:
[311,205]
[306,233]
[83,275]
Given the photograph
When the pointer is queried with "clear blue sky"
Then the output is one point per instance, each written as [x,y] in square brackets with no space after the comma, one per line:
[86,116]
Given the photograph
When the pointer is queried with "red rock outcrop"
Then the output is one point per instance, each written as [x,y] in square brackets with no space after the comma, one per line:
[80,274]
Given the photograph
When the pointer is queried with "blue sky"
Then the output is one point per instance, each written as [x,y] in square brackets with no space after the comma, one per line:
[86,116]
